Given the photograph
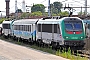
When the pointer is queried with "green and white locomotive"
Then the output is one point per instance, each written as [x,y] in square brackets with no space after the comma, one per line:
[67,31]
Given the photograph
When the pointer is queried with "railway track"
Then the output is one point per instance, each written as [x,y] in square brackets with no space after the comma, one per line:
[82,53]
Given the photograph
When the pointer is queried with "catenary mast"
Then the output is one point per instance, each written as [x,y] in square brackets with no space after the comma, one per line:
[86,7]
[49,9]
[16,9]
[7,8]
[23,6]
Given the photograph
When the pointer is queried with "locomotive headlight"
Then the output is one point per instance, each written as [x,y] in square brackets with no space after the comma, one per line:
[81,37]
[66,37]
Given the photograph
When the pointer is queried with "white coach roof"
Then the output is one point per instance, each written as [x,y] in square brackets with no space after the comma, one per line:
[25,21]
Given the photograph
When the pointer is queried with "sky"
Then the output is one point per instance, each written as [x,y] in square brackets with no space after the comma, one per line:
[77,3]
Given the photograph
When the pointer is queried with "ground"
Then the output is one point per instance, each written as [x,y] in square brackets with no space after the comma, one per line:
[10,51]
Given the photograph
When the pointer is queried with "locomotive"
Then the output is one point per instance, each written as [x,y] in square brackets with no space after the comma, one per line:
[56,32]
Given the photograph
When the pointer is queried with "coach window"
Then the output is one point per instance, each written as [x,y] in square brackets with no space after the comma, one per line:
[30,28]
[6,26]
[14,27]
[55,28]
[45,26]
[20,27]
[88,26]
[25,28]
[17,27]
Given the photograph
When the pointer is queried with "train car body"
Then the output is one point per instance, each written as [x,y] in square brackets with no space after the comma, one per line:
[7,27]
[68,31]
[25,29]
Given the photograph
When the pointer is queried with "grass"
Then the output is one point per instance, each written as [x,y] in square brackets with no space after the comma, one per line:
[69,55]
[63,53]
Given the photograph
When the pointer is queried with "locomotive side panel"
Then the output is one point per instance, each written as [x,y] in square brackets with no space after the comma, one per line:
[49,31]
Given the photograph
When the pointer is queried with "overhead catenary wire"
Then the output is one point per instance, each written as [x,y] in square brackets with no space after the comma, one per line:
[43,1]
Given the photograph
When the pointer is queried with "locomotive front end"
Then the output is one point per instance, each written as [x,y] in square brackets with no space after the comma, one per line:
[73,32]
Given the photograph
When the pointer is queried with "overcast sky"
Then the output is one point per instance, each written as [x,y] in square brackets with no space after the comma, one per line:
[45,2]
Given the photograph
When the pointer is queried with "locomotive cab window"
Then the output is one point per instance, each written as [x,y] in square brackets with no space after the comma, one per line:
[68,26]
[73,26]
[77,26]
